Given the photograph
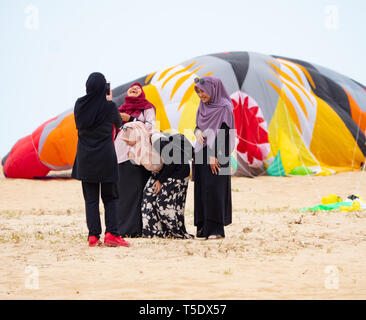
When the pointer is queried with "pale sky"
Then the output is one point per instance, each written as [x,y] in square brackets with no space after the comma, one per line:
[48,48]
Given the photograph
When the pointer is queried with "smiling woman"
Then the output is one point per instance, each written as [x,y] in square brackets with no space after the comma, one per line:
[202,95]
[134,91]
[132,176]
[212,187]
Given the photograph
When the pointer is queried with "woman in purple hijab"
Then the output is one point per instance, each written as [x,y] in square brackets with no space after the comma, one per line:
[215,137]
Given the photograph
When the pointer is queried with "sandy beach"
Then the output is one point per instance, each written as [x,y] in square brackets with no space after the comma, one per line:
[271,250]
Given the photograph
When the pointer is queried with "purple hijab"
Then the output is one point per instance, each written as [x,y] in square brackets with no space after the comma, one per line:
[211,115]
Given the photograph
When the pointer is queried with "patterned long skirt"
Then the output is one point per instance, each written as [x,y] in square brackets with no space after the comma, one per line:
[163,214]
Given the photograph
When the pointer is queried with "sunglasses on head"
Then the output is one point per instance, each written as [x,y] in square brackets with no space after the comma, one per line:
[198,80]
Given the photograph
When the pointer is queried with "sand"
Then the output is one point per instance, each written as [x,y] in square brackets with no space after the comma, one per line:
[271,251]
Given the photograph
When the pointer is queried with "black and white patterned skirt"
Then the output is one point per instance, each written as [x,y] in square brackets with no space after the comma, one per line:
[163,214]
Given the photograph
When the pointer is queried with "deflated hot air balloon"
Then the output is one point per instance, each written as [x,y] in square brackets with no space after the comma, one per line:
[292,117]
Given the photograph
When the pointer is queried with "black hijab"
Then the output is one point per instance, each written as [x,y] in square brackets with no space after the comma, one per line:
[172,145]
[90,110]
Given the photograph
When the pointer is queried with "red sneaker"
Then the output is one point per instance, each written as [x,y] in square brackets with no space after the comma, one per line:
[94,241]
[114,241]
[124,242]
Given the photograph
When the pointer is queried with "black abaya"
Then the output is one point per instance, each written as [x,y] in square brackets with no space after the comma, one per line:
[96,161]
[131,186]
[212,193]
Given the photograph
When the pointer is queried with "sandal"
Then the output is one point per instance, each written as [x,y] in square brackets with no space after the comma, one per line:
[215,237]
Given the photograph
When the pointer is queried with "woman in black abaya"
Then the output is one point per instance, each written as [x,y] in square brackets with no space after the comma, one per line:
[96,161]
[211,170]
[133,177]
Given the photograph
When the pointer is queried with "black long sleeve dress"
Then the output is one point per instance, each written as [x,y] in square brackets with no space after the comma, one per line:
[96,166]
[96,159]
[212,193]
[132,181]
[131,186]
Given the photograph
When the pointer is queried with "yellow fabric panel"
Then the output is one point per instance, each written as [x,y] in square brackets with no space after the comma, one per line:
[188,117]
[332,143]
[162,75]
[300,85]
[286,63]
[307,75]
[176,73]
[333,170]
[289,153]
[325,172]
[64,136]
[149,77]
[294,92]
[298,99]
[152,94]
[283,135]
[188,94]
[181,80]
[289,104]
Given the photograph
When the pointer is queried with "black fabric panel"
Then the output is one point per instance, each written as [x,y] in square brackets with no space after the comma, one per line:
[239,61]
[332,93]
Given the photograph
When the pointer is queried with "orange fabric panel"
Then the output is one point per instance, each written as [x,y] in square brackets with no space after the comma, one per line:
[358,116]
[60,146]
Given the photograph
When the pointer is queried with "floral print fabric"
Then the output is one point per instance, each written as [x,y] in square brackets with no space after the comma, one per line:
[163,214]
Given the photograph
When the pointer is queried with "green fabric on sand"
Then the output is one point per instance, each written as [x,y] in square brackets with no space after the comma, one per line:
[327,207]
[301,171]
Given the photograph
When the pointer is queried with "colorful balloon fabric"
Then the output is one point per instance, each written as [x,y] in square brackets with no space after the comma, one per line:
[292,117]
[329,207]
[333,202]
[52,146]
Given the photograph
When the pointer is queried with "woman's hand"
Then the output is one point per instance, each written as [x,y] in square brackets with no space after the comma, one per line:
[125,117]
[110,96]
[215,165]
[200,137]
[157,186]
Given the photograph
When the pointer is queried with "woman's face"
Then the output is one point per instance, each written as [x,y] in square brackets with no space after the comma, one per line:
[134,91]
[205,98]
